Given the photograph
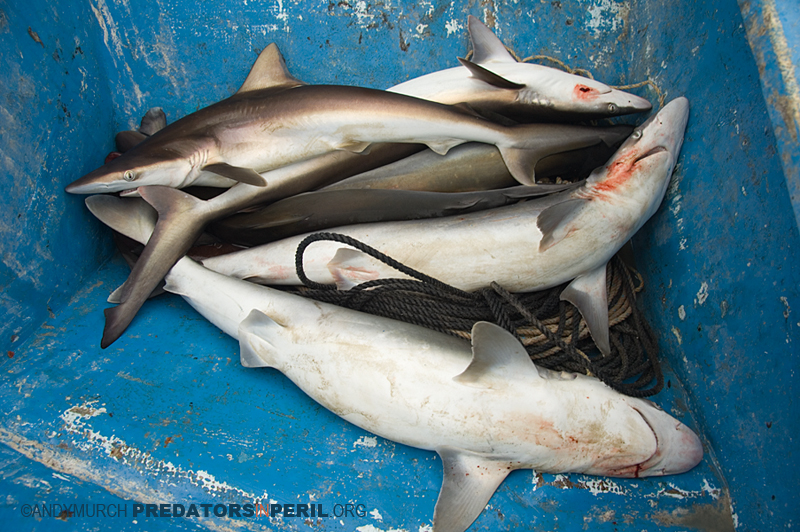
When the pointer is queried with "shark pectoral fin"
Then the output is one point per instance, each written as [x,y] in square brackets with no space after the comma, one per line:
[470,480]
[555,222]
[485,44]
[350,267]
[237,173]
[255,333]
[269,71]
[588,293]
[497,356]
[487,76]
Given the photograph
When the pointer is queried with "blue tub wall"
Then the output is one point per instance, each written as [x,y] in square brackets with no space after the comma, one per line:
[55,112]
[718,258]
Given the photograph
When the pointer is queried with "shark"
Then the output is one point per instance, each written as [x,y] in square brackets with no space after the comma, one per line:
[183,153]
[323,209]
[520,89]
[484,407]
[568,236]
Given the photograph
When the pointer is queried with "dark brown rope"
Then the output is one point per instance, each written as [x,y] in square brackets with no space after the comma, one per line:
[631,368]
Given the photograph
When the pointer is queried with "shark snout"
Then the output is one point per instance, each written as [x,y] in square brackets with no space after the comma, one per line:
[678,448]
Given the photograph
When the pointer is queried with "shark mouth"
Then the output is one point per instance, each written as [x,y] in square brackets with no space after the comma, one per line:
[654,151]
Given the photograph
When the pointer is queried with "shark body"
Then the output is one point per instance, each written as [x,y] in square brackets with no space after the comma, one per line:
[486,410]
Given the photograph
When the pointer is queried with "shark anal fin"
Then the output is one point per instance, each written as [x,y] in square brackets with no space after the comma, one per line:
[237,173]
[489,77]
[485,44]
[496,357]
[588,293]
[555,222]
[255,332]
[355,147]
[443,146]
[269,71]
[470,479]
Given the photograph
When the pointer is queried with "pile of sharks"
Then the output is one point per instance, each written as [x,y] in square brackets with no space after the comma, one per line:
[440,172]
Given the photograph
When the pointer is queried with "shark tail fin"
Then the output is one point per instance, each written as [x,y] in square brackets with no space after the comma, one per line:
[530,143]
[470,480]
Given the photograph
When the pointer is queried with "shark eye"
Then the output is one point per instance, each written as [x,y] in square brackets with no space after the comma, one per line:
[637,134]
[128,175]
[612,109]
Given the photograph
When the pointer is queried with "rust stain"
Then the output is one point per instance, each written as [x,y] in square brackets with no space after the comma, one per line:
[714,517]
[168,441]
[65,514]
[10,354]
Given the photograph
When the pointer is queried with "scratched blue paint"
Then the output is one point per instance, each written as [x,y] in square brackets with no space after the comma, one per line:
[167,414]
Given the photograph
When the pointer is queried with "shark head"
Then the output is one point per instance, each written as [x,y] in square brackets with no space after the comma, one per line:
[149,163]
[640,170]
[677,448]
[593,98]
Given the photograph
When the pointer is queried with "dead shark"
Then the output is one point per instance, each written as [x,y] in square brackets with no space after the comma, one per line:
[534,245]
[269,84]
[520,89]
[486,410]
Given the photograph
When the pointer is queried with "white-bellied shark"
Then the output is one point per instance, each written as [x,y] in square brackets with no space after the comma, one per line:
[520,89]
[534,245]
[486,411]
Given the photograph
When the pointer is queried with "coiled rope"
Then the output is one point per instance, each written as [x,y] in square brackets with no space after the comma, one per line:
[552,331]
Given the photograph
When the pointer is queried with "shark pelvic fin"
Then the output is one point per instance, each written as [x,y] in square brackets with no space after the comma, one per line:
[555,222]
[350,267]
[237,173]
[255,331]
[269,71]
[470,480]
[497,356]
[486,46]
[588,293]
[489,77]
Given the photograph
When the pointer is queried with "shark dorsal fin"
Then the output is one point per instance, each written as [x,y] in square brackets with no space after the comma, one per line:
[497,356]
[269,71]
[470,480]
[488,76]
[485,44]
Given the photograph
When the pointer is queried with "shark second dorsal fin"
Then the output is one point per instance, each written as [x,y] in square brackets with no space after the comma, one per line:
[588,292]
[488,76]
[485,44]
[470,480]
[269,71]
[255,332]
[497,356]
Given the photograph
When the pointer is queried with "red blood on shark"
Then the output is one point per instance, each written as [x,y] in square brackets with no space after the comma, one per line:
[582,92]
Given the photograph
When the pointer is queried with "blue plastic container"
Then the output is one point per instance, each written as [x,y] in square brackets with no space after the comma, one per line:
[167,415]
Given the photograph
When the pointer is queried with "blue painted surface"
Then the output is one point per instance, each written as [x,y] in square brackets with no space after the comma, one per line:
[167,415]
